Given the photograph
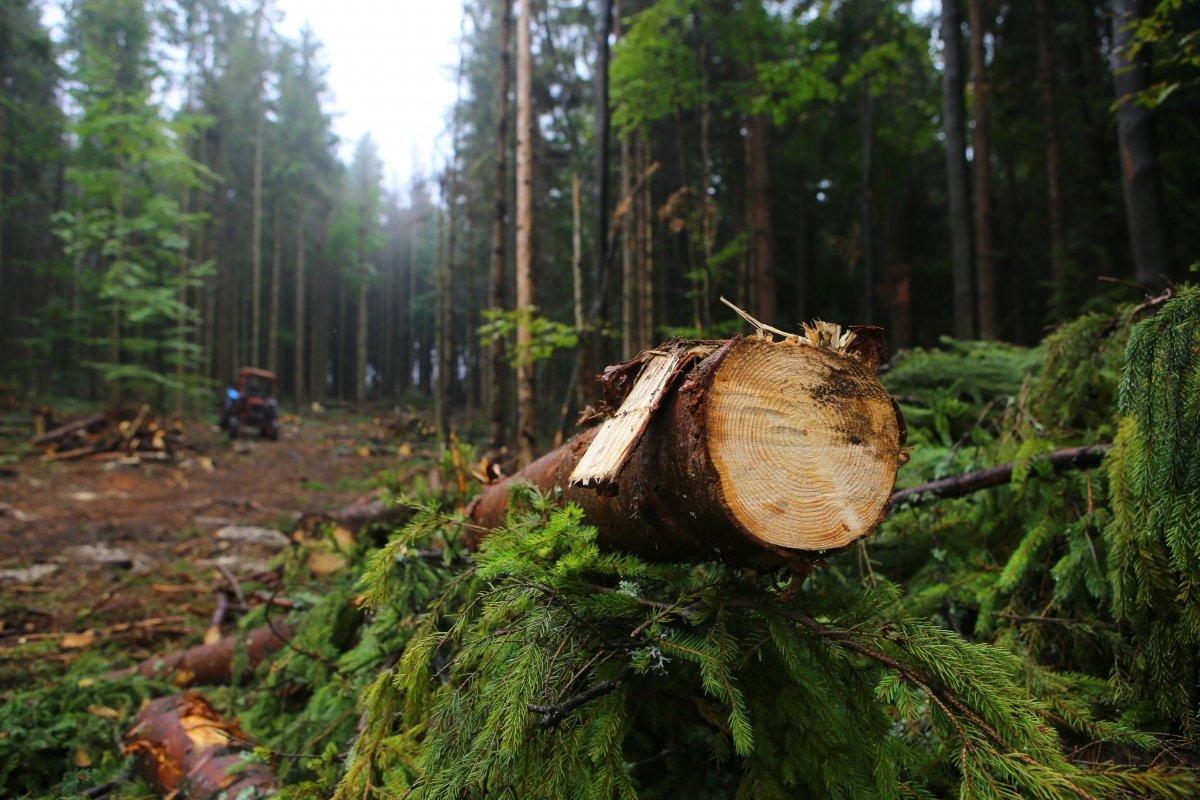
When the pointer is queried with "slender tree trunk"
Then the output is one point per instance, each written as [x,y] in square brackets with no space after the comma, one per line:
[298,311]
[953,116]
[361,336]
[899,279]
[585,372]
[1144,211]
[256,217]
[985,271]
[276,275]
[600,282]
[628,244]
[1058,245]
[441,324]
[708,206]
[646,273]
[758,219]
[499,212]
[866,201]
[526,437]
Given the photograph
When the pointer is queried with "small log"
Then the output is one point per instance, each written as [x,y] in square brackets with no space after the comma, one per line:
[212,664]
[751,451]
[348,521]
[69,428]
[187,751]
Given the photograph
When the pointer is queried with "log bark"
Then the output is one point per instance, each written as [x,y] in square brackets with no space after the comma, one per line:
[756,452]
[187,751]
[526,406]
[212,664]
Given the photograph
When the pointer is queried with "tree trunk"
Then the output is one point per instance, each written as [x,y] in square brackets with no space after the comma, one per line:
[755,452]
[1144,211]
[985,267]
[866,212]
[628,244]
[499,212]
[298,312]
[758,219]
[276,276]
[581,383]
[600,282]
[526,427]
[956,170]
[1058,244]
[260,113]
[645,300]
[187,751]
[360,343]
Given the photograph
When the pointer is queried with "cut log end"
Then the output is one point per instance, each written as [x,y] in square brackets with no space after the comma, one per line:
[805,442]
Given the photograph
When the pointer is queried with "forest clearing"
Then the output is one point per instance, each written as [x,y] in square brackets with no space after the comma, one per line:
[554,399]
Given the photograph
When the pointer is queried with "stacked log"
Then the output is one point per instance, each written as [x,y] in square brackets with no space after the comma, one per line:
[122,431]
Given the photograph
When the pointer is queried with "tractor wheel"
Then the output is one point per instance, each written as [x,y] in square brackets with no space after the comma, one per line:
[233,427]
[270,431]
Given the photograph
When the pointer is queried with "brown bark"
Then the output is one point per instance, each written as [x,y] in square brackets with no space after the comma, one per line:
[1140,173]
[526,410]
[298,312]
[737,460]
[260,114]
[276,275]
[758,219]
[1058,245]
[499,212]
[212,664]
[967,483]
[985,266]
[600,262]
[956,170]
[628,245]
[581,380]
[187,751]
[645,279]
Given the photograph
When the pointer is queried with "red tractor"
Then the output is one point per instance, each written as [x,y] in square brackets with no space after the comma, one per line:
[250,402]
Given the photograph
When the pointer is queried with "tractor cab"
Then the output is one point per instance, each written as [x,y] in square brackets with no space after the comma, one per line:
[250,402]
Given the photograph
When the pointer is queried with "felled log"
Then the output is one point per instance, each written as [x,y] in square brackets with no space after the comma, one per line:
[749,450]
[185,749]
[212,664]
[346,522]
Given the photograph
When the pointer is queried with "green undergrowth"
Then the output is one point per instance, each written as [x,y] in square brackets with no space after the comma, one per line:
[1036,640]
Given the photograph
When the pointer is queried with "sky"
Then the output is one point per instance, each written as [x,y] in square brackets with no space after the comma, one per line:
[391,71]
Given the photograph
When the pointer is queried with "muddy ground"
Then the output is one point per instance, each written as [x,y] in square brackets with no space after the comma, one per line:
[92,550]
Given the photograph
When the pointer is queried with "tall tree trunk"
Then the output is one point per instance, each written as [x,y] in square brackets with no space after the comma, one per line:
[600,282]
[361,335]
[298,312]
[499,212]
[628,245]
[866,216]
[276,275]
[645,299]
[985,266]
[1058,244]
[1144,211]
[585,370]
[526,437]
[260,113]
[953,116]
[758,219]
[899,278]
[441,323]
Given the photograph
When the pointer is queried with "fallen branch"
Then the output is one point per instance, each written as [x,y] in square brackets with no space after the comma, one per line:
[188,752]
[1083,457]
[210,664]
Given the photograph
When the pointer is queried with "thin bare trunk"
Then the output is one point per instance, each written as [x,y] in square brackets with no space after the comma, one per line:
[577,286]
[985,266]
[276,273]
[628,246]
[600,282]
[953,115]
[298,312]
[441,291]
[1058,245]
[256,217]
[866,201]
[526,437]
[758,219]
[646,271]
[499,212]
[1144,210]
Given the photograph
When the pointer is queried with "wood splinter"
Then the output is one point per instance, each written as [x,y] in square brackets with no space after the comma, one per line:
[748,450]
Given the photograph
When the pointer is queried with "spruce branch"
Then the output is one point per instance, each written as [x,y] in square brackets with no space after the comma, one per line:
[553,714]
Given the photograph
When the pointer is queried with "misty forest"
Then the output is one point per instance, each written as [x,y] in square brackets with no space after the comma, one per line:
[744,399]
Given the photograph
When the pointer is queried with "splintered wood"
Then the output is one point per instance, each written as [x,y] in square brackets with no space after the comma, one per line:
[601,465]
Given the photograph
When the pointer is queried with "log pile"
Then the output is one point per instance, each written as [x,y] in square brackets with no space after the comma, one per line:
[119,432]
[750,450]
